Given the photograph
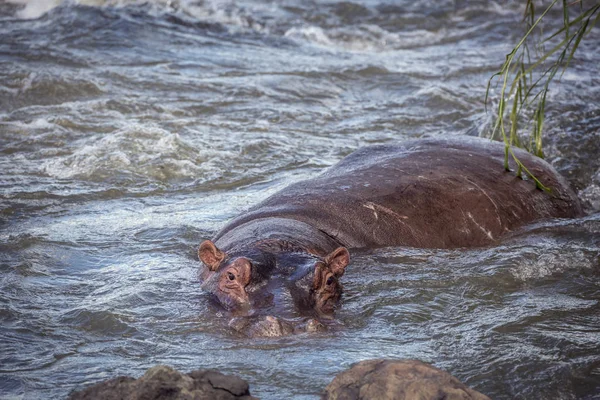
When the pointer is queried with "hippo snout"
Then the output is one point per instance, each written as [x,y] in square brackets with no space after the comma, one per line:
[270,326]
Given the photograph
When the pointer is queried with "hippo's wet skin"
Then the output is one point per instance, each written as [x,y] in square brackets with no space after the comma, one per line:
[433,193]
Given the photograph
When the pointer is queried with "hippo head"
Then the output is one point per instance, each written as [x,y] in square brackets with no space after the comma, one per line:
[233,279]
[320,289]
[249,280]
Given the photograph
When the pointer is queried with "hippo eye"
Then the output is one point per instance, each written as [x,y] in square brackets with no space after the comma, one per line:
[230,276]
[329,280]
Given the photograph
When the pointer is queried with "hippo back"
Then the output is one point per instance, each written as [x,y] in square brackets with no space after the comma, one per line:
[431,193]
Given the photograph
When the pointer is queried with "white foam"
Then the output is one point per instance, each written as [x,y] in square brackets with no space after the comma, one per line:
[547,264]
[365,38]
[313,34]
[134,150]
[38,123]
[591,194]
[227,13]
[35,8]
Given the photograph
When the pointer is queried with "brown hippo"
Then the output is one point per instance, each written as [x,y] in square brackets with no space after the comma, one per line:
[429,193]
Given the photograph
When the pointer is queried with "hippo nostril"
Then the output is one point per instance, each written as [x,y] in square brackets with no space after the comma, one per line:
[312,325]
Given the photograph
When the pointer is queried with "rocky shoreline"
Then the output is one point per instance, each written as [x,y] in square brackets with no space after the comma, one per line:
[384,379]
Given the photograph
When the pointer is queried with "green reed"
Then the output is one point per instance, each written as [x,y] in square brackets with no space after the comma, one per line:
[526,75]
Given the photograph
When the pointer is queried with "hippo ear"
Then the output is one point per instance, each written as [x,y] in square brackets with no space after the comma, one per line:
[210,255]
[337,261]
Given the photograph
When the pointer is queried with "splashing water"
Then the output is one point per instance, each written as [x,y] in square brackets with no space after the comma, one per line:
[132,130]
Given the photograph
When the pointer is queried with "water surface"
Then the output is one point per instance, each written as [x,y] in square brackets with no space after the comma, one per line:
[130,131]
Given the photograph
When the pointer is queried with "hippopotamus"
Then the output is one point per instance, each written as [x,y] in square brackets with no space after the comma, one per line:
[426,193]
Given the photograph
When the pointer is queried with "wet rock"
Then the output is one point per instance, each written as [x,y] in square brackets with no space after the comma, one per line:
[162,383]
[398,380]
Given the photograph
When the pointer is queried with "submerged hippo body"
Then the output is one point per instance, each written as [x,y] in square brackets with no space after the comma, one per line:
[433,193]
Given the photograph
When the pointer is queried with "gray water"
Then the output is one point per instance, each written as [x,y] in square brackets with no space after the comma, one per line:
[131,131]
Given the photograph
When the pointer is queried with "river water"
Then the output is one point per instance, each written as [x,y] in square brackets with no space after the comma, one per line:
[130,131]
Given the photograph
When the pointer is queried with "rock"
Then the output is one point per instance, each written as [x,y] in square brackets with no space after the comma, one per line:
[162,383]
[398,380]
